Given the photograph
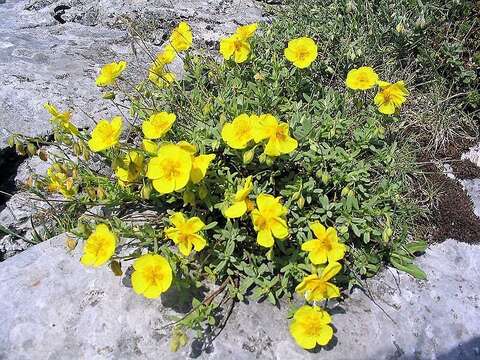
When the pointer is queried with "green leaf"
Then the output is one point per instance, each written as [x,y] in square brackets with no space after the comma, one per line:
[411,269]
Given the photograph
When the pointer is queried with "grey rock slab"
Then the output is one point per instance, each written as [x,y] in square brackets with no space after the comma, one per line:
[43,60]
[54,308]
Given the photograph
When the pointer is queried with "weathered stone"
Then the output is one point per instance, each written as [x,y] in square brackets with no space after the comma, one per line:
[53,307]
[43,60]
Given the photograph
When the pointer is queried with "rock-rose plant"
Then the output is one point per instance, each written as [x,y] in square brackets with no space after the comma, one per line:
[250,178]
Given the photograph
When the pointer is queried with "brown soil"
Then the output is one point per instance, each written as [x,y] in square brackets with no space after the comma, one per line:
[452,215]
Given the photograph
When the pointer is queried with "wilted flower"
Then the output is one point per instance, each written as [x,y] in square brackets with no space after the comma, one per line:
[277,133]
[181,37]
[60,182]
[184,233]
[152,275]
[241,202]
[363,78]
[310,327]
[317,288]
[170,169]
[109,73]
[106,134]
[269,220]
[131,169]
[99,247]
[158,125]
[62,120]
[391,97]
[301,52]
[325,247]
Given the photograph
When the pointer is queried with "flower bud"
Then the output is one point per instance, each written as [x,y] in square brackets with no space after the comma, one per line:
[325,178]
[301,202]
[11,141]
[20,149]
[345,191]
[189,198]
[109,95]
[146,191]
[101,194]
[202,192]
[420,23]
[77,149]
[31,149]
[400,28]
[248,156]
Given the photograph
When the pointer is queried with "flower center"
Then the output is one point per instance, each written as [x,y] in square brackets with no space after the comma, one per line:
[153,275]
[171,169]
[302,54]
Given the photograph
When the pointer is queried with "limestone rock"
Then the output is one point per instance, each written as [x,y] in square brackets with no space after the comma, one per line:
[53,307]
[51,50]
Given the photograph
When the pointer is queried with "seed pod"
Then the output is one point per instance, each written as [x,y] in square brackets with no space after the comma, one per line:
[189,198]
[92,194]
[420,23]
[101,194]
[345,191]
[400,28]
[325,178]
[71,244]
[11,141]
[43,155]
[20,149]
[77,149]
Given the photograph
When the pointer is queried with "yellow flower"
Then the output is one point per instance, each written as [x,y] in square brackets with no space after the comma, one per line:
[184,233]
[99,247]
[391,97]
[159,76]
[60,182]
[150,146]
[105,134]
[317,288]
[133,166]
[325,247]
[269,219]
[152,275]
[166,56]
[109,73]
[181,37]
[277,133]
[310,327]
[363,78]
[235,46]
[246,31]
[170,169]
[239,132]
[241,201]
[61,119]
[301,52]
[158,125]
[200,165]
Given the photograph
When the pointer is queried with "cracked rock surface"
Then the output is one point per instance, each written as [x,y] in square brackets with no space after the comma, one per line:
[52,307]
[42,59]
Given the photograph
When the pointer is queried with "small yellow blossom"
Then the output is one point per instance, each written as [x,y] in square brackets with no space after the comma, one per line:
[158,125]
[99,247]
[60,182]
[310,327]
[277,133]
[317,288]
[105,134]
[109,73]
[131,169]
[325,247]
[241,202]
[62,120]
[152,275]
[301,52]
[363,78]
[235,46]
[245,32]
[200,165]
[391,97]
[184,233]
[159,76]
[181,37]
[269,220]
[170,169]
[151,147]
[239,132]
